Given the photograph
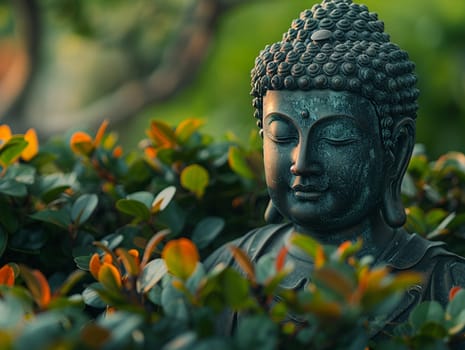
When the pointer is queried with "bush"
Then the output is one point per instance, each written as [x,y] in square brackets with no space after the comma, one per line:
[102,249]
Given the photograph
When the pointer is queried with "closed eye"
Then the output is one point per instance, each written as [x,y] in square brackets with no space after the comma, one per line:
[340,141]
[280,130]
[283,139]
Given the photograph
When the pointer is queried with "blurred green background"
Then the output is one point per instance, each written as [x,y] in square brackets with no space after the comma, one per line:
[85,55]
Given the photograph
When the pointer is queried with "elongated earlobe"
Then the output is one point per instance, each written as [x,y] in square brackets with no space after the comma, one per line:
[393,210]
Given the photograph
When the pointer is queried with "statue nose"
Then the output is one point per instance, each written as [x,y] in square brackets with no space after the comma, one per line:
[306,169]
[306,161]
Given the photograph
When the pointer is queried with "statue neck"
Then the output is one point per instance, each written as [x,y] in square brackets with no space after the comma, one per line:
[373,231]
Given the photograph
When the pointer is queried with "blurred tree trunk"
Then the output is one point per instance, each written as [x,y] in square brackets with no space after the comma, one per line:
[18,56]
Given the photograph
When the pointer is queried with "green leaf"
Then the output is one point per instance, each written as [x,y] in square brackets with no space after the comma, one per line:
[435,216]
[151,275]
[13,188]
[183,341]
[195,178]
[256,332]
[28,240]
[12,311]
[426,312]
[21,173]
[235,289]
[83,208]
[442,226]
[11,151]
[238,163]
[91,296]
[456,311]
[196,279]
[143,197]
[434,330]
[265,268]
[45,332]
[49,187]
[172,301]
[112,240]
[305,243]
[186,128]
[82,262]
[207,230]
[53,193]
[134,208]
[457,304]
[174,217]
[416,221]
[138,172]
[59,217]
[123,326]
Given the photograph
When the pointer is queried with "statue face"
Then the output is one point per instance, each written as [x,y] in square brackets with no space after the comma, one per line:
[324,160]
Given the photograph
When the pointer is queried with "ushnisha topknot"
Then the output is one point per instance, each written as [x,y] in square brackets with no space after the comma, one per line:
[341,46]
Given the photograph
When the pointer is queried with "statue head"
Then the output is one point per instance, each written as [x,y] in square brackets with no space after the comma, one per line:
[338,53]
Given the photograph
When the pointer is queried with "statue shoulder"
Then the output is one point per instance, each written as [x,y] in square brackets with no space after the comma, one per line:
[255,243]
[408,251]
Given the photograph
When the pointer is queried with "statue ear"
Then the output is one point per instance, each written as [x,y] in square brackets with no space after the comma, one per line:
[404,140]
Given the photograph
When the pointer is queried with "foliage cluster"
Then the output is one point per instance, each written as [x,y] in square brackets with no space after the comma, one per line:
[102,249]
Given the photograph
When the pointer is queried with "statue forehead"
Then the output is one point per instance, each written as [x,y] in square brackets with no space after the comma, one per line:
[317,103]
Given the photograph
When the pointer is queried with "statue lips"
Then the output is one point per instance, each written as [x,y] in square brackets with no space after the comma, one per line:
[308,192]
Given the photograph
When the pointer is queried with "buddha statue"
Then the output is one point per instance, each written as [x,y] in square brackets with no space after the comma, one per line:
[336,102]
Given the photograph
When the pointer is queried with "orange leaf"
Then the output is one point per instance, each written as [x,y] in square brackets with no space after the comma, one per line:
[343,247]
[32,147]
[5,134]
[110,277]
[150,152]
[244,262]
[335,280]
[129,261]
[100,133]
[81,143]
[135,254]
[363,279]
[108,258]
[117,152]
[7,275]
[95,265]
[37,285]
[376,276]
[281,258]
[453,291]
[320,257]
[162,134]
[94,336]
[326,310]
[181,257]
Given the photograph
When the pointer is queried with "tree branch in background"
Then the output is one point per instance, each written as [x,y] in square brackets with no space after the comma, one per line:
[178,67]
